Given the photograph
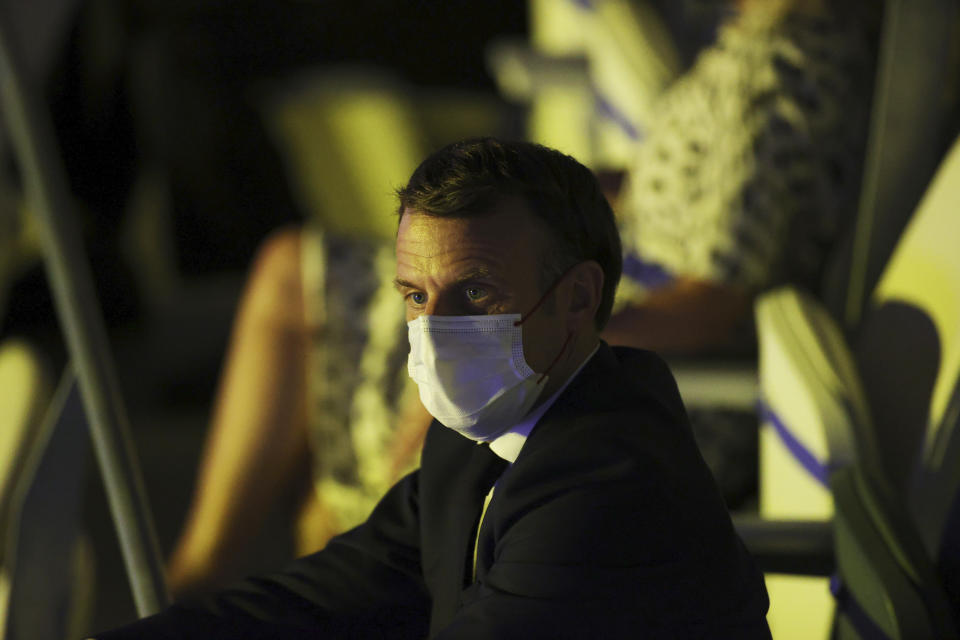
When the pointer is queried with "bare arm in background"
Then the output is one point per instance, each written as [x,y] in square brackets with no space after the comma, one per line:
[257,442]
[257,450]
[686,316]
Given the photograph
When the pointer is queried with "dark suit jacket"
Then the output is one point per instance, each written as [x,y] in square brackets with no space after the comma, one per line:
[607,525]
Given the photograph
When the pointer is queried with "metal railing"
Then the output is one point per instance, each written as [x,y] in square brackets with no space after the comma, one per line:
[31,132]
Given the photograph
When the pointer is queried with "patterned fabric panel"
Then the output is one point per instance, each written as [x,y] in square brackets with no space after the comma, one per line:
[357,369]
[752,164]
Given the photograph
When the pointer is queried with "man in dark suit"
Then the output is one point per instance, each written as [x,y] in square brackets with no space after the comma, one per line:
[560,492]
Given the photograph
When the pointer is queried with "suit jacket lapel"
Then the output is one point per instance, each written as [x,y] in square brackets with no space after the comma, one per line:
[456,475]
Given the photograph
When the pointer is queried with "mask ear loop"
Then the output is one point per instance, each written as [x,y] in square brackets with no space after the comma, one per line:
[539,303]
[557,359]
[543,298]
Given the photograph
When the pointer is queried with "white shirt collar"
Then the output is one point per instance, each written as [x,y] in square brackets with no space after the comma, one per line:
[508,445]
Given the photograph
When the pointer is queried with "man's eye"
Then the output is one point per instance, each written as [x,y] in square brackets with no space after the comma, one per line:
[476,293]
[417,297]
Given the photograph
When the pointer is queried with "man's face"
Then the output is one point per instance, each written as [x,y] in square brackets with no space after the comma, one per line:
[482,265]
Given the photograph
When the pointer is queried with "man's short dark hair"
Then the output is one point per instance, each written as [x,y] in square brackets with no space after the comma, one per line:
[472,177]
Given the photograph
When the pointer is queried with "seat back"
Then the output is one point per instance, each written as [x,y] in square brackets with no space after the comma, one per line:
[811,402]
[632,59]
[935,499]
[596,111]
[819,457]
[885,585]
[45,572]
[812,410]
[812,397]
[909,355]
[26,392]
[365,124]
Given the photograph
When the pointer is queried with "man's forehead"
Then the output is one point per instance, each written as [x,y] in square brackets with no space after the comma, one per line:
[489,245]
[450,244]
[509,218]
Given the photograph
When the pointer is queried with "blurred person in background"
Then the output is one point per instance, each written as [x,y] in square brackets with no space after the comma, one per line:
[314,387]
[748,174]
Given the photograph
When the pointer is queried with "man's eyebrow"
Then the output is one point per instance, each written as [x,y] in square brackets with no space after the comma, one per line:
[400,283]
[476,273]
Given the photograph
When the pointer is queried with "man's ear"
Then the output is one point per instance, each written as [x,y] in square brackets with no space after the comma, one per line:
[586,291]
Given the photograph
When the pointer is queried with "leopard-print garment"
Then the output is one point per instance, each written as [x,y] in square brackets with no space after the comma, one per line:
[357,376]
[751,165]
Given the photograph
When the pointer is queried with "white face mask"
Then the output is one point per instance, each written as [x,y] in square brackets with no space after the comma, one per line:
[471,372]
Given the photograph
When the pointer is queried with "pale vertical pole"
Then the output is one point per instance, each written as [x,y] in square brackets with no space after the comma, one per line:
[68,272]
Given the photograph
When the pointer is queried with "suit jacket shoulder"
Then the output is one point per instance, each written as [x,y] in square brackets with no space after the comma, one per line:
[610,514]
